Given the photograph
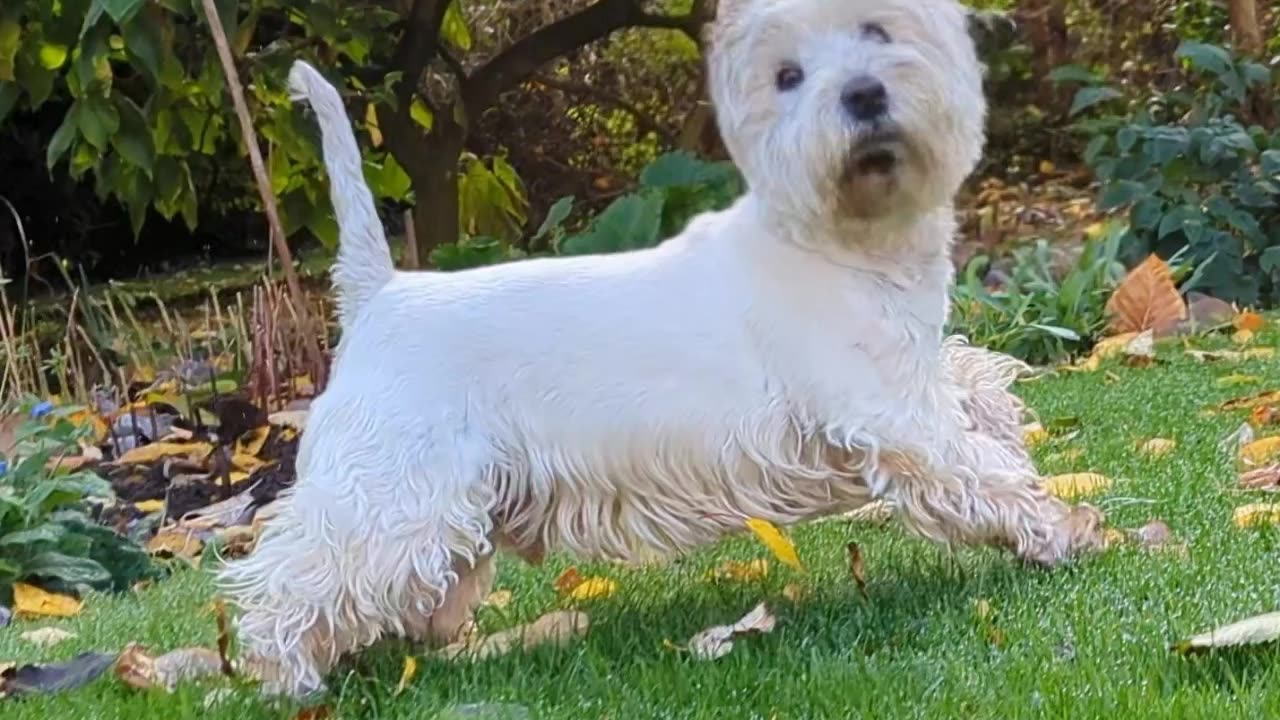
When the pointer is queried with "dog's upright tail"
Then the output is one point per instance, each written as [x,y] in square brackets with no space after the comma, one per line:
[364,259]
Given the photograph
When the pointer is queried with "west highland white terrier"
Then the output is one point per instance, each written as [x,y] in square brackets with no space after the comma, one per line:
[782,359]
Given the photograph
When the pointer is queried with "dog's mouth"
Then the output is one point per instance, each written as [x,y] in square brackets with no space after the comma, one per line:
[876,155]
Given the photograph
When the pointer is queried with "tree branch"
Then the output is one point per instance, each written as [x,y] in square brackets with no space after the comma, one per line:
[644,121]
[531,52]
[419,42]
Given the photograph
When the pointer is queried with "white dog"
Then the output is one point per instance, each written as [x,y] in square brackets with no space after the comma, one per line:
[783,359]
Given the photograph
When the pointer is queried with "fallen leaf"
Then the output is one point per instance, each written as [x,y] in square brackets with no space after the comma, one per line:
[567,581]
[1113,346]
[1256,514]
[1264,415]
[1251,321]
[1253,631]
[138,669]
[224,637]
[1206,356]
[1141,350]
[794,592]
[35,679]
[858,568]
[46,637]
[316,712]
[1112,537]
[716,642]
[175,542]
[499,599]
[1073,485]
[778,543]
[149,506]
[1242,337]
[406,675]
[1237,379]
[593,588]
[1248,403]
[1034,434]
[1260,452]
[737,571]
[986,617]
[30,601]
[295,419]
[1157,447]
[252,442]
[1146,299]
[1264,478]
[553,628]
[147,454]
[876,511]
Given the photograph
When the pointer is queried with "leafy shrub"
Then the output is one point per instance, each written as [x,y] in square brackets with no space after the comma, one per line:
[46,533]
[1039,316]
[1194,176]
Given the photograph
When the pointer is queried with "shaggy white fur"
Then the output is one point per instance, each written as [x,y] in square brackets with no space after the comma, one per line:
[782,359]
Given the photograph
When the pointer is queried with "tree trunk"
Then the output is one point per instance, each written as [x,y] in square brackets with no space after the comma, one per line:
[1246,32]
[1046,22]
[435,191]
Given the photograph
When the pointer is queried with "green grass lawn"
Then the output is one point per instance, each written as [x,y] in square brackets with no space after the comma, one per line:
[1089,641]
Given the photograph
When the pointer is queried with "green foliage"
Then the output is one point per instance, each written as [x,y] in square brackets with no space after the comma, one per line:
[1040,315]
[672,190]
[1194,176]
[46,535]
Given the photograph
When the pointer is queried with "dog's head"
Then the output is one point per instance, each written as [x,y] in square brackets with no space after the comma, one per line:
[837,109]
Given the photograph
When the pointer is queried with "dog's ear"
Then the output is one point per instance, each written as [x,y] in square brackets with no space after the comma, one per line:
[991,31]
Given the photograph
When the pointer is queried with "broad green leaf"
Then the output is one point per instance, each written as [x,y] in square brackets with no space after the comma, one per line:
[92,17]
[133,140]
[9,95]
[421,114]
[630,222]
[556,216]
[63,136]
[454,28]
[1090,96]
[71,570]
[1121,193]
[35,78]
[1074,74]
[143,41]
[98,121]
[47,533]
[122,10]
[10,41]
[1204,56]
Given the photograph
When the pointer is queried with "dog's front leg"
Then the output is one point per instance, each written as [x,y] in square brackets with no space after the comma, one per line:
[978,492]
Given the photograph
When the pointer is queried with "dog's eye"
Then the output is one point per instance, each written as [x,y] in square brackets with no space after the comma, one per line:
[877,31]
[789,77]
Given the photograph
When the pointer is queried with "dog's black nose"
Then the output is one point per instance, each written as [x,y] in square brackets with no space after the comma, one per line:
[865,98]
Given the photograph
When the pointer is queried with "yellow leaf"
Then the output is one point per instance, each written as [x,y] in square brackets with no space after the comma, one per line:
[177,543]
[1047,167]
[1255,514]
[251,443]
[1113,346]
[247,463]
[406,675]
[195,452]
[1236,379]
[740,571]
[1033,434]
[793,592]
[593,588]
[1242,337]
[1251,321]
[371,123]
[94,421]
[1094,230]
[499,599]
[1074,485]
[149,506]
[1261,452]
[30,601]
[1157,447]
[779,544]
[1147,299]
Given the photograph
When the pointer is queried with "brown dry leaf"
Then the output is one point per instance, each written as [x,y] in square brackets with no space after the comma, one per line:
[176,542]
[30,601]
[224,637]
[1264,415]
[46,637]
[738,571]
[556,628]
[1264,478]
[1157,447]
[147,454]
[1261,452]
[138,669]
[716,642]
[1270,397]
[1248,320]
[1146,299]
[568,580]
[1141,350]
[1257,514]
[1074,485]
[317,712]
[858,568]
[1253,631]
